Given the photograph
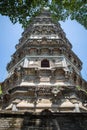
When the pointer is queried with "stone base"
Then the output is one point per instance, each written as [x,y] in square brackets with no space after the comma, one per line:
[43,121]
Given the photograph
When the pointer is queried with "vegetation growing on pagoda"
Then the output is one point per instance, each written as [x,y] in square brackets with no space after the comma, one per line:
[0,90]
[81,89]
[23,10]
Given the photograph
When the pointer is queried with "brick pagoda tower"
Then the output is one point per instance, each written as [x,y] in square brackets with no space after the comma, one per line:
[44,76]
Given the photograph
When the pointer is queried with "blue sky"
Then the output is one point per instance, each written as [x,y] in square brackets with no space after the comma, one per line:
[10,35]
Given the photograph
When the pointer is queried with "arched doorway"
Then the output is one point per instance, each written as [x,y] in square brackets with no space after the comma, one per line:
[48,121]
[45,63]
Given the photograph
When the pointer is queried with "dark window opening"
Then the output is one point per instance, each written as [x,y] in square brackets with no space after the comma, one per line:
[45,63]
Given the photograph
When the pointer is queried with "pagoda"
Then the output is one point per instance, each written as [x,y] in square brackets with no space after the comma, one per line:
[44,74]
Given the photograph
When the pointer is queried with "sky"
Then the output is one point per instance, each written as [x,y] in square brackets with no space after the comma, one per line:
[10,35]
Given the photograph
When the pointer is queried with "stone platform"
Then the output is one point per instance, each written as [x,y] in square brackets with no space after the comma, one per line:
[42,121]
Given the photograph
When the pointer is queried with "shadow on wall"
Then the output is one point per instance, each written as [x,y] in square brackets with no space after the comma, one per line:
[44,121]
[47,120]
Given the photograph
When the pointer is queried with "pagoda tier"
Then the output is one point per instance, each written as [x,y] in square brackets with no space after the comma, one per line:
[44,73]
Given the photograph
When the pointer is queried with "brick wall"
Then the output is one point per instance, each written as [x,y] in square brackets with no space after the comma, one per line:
[56,121]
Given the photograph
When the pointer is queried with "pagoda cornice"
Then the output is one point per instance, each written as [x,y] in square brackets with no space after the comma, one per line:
[14,65]
[43,41]
[43,24]
[17,78]
[38,92]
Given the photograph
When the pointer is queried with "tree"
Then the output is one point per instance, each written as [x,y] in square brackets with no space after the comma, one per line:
[22,11]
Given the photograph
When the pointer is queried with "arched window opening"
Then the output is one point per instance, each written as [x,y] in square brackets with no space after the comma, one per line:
[45,63]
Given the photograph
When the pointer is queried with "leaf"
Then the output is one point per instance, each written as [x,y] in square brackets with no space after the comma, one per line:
[20,10]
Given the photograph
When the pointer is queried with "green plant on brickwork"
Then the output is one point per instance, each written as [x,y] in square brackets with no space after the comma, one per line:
[0,90]
[82,89]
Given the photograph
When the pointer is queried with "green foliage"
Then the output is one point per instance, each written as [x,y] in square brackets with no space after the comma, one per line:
[0,90]
[78,87]
[23,10]
[75,9]
[81,89]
